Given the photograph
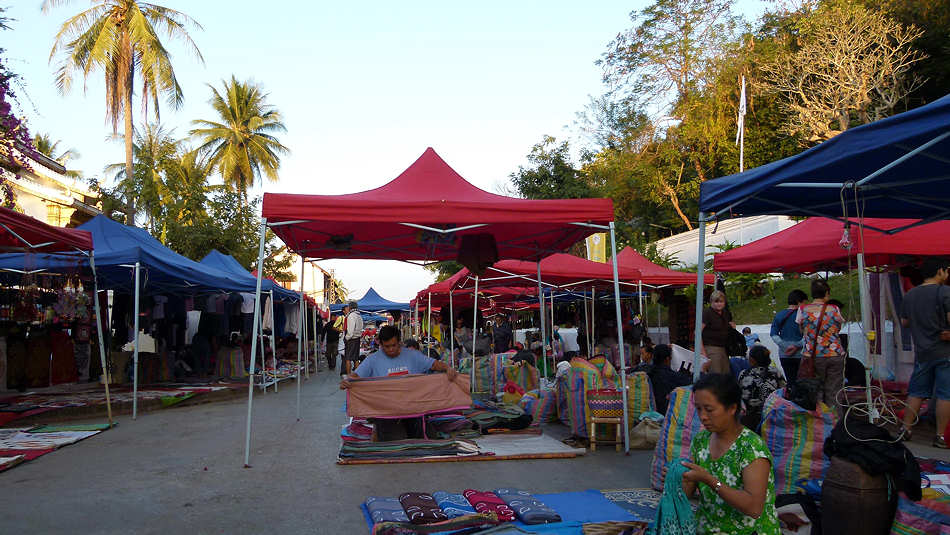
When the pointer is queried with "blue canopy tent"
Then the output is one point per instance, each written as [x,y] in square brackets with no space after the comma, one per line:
[118,249]
[892,168]
[373,302]
[231,266]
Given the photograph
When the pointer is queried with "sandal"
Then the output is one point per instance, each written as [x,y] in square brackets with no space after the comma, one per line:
[904,434]
[940,442]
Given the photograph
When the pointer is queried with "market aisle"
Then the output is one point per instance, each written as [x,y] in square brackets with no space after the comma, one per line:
[181,469]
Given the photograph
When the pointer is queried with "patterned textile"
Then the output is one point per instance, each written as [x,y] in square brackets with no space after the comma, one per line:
[679,426]
[489,372]
[757,385]
[639,397]
[926,517]
[385,510]
[489,502]
[715,516]
[829,343]
[541,405]
[523,374]
[615,528]
[674,516]
[605,403]
[572,388]
[417,395]
[421,508]
[796,438]
[529,509]
[642,503]
[453,505]
[462,524]
[231,363]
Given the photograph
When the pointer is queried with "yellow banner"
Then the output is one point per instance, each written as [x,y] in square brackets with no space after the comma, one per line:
[597,247]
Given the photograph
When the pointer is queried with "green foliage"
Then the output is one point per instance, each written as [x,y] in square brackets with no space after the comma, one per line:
[241,144]
[444,270]
[551,175]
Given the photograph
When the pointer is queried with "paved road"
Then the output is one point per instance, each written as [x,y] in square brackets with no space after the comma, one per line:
[180,470]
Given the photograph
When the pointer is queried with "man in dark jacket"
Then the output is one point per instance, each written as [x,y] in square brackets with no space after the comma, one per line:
[663,378]
[333,342]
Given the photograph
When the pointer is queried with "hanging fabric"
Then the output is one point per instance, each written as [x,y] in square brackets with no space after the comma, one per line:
[674,515]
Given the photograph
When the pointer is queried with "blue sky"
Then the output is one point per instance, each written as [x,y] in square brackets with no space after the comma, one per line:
[364,88]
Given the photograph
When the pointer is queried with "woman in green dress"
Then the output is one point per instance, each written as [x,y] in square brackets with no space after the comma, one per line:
[731,468]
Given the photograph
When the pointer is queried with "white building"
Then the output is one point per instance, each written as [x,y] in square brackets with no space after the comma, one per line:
[740,231]
[47,194]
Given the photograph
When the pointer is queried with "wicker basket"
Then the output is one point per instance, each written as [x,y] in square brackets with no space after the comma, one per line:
[606,403]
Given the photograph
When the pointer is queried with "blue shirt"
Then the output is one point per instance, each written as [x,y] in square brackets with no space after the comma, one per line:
[409,361]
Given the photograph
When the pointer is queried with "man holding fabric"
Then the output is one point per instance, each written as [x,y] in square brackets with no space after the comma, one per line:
[353,331]
[393,360]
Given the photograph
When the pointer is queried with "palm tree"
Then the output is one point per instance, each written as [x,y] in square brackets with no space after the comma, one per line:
[241,145]
[154,152]
[121,38]
[45,145]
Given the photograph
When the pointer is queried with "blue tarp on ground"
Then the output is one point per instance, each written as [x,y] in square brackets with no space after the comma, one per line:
[117,248]
[861,156]
[230,265]
[372,302]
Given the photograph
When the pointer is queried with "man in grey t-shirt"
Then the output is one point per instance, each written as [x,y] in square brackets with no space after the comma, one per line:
[926,311]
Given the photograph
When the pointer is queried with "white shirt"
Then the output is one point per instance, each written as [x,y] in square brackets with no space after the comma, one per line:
[354,325]
[247,305]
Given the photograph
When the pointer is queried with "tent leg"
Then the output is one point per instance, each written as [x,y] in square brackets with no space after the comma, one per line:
[273,338]
[593,320]
[257,317]
[102,346]
[700,280]
[316,344]
[135,356]
[474,332]
[643,315]
[623,360]
[429,325]
[543,363]
[451,331]
[587,327]
[300,336]
[553,353]
[866,332]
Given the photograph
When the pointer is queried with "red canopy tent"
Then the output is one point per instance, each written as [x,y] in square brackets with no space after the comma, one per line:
[430,213]
[561,269]
[422,215]
[22,233]
[656,275]
[814,245]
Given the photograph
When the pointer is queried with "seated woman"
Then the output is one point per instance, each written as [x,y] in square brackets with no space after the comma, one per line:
[757,384]
[731,468]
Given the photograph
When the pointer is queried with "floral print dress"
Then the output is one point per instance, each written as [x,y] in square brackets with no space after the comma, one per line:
[715,516]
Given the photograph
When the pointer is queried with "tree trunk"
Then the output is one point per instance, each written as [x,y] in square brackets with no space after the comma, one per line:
[676,206]
[130,215]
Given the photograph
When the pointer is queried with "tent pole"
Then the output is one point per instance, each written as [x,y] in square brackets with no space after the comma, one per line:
[593,319]
[451,331]
[587,326]
[257,317]
[135,359]
[474,332]
[700,286]
[300,336]
[553,353]
[866,331]
[429,326]
[273,338]
[316,342]
[646,329]
[302,327]
[544,338]
[102,346]
[623,360]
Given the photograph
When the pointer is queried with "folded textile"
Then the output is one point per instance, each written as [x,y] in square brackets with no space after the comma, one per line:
[489,502]
[529,509]
[417,394]
[385,510]
[453,505]
[407,448]
[421,508]
[462,524]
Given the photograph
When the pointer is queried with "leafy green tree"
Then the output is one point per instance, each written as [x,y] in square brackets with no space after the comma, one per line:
[551,175]
[154,151]
[121,39]
[444,270]
[241,144]
[46,146]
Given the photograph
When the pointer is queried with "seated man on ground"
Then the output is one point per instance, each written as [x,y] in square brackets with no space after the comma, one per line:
[663,378]
[394,360]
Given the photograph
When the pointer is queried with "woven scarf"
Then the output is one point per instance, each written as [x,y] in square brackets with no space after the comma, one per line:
[674,516]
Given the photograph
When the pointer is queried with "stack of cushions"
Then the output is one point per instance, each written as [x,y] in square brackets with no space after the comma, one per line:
[489,502]
[529,509]
[500,505]
[385,510]
[453,505]
[421,508]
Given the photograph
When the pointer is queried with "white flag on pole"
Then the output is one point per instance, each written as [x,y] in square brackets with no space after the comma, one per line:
[742,109]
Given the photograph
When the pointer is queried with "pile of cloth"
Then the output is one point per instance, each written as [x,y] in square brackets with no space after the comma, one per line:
[418,512]
[450,426]
[358,430]
[490,416]
[396,449]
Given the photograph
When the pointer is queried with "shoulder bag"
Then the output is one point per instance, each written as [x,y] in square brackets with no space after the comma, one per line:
[807,368]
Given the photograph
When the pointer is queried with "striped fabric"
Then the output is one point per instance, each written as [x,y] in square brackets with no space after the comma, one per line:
[796,438]
[605,403]
[926,517]
[489,372]
[231,364]
[541,405]
[571,390]
[524,375]
[679,426]
[639,397]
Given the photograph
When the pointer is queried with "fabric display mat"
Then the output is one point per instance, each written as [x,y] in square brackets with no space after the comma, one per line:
[581,512]
[500,447]
[18,445]
[20,406]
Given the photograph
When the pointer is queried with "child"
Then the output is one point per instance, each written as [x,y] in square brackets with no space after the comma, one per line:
[757,384]
[750,339]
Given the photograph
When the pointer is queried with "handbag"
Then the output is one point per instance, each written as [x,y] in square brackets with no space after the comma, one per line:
[807,368]
[942,318]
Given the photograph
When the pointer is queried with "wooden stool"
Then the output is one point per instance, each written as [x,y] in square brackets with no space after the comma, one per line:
[604,407]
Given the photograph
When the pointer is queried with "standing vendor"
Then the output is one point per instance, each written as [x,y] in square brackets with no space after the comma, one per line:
[394,360]
[352,333]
